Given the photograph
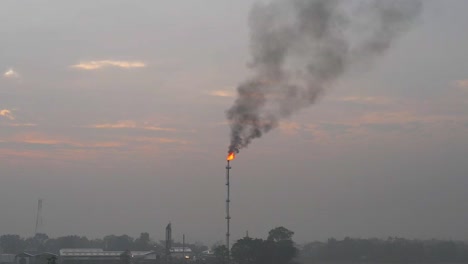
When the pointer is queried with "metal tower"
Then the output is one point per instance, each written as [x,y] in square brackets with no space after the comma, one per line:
[38,216]
[168,243]
[228,217]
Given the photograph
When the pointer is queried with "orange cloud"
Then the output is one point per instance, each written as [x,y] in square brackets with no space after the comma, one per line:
[10,73]
[319,134]
[14,153]
[365,100]
[129,124]
[158,140]
[22,125]
[221,93]
[289,128]
[43,141]
[383,126]
[63,149]
[119,124]
[7,114]
[400,118]
[58,156]
[99,64]
[462,83]
[37,139]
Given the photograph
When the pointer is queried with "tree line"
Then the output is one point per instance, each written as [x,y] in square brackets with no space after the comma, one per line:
[390,250]
[277,248]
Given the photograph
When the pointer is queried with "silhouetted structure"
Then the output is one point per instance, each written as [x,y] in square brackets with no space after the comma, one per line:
[29,257]
[168,243]
[38,217]
[228,216]
[99,256]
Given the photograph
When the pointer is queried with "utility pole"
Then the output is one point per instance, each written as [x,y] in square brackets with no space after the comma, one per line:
[183,246]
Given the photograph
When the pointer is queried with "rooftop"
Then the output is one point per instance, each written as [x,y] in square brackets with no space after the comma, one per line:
[96,252]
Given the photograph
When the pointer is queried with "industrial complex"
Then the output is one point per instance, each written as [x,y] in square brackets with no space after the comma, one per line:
[97,256]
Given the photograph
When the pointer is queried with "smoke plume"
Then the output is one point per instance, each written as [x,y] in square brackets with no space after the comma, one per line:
[300,47]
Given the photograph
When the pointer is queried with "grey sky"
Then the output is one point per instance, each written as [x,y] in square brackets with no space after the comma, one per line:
[113,112]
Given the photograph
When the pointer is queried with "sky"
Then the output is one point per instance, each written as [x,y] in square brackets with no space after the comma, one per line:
[113,113]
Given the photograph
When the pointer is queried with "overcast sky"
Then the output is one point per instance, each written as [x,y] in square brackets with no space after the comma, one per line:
[113,112]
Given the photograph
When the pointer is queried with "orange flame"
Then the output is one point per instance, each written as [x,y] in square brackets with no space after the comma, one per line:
[231,156]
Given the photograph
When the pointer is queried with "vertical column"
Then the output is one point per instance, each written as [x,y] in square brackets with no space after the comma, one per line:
[228,217]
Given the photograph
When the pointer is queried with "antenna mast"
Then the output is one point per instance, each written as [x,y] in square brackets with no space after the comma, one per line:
[228,217]
[168,243]
[38,216]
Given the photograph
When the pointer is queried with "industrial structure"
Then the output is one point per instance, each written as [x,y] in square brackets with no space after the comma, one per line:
[38,217]
[168,242]
[230,157]
[181,253]
[178,254]
[99,256]
[30,257]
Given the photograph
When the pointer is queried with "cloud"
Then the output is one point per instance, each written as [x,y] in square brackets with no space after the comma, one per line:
[159,140]
[96,65]
[401,118]
[22,125]
[7,114]
[119,124]
[18,155]
[365,100]
[221,93]
[379,126]
[319,134]
[156,128]
[461,83]
[289,128]
[129,124]
[10,73]
[36,145]
[44,140]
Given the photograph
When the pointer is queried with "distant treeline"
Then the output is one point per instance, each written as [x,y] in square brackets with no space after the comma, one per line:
[391,250]
[347,250]
[14,244]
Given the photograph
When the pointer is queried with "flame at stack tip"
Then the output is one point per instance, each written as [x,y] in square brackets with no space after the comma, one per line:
[231,156]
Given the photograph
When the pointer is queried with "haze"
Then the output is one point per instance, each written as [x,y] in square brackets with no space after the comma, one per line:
[113,112]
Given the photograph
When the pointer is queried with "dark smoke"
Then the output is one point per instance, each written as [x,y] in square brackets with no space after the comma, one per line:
[300,47]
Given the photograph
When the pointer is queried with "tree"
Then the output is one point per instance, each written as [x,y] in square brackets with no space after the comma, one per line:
[118,243]
[12,244]
[277,249]
[143,242]
[249,251]
[284,251]
[280,233]
[197,248]
[283,247]
[220,252]
[37,242]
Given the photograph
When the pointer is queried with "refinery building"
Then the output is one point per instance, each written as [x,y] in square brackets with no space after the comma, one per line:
[96,256]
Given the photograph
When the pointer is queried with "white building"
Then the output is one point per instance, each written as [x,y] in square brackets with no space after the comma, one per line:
[181,252]
[99,256]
